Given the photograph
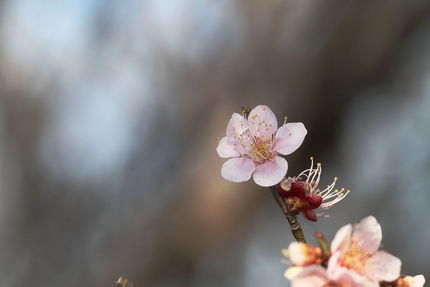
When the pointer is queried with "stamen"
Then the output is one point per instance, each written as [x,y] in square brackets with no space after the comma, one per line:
[284,252]
[311,178]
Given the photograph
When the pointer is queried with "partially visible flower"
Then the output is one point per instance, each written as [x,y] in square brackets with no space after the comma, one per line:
[406,281]
[355,261]
[305,195]
[409,281]
[312,276]
[302,254]
[254,143]
[316,276]
[356,258]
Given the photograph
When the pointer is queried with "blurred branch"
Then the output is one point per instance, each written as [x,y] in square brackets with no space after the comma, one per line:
[123,282]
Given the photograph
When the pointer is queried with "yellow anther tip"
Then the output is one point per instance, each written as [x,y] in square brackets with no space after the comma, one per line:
[319,164]
[335,178]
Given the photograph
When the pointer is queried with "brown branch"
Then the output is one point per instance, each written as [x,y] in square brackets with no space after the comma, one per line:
[290,215]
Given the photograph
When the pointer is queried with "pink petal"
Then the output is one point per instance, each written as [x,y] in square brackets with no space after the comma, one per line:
[416,281]
[225,148]
[301,254]
[296,253]
[368,234]
[270,172]
[311,276]
[262,122]
[236,126]
[383,267]
[289,137]
[347,276]
[238,169]
[342,237]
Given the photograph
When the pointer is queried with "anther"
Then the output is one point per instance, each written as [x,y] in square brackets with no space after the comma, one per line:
[284,252]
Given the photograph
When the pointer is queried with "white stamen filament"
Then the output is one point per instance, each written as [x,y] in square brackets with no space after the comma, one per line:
[313,176]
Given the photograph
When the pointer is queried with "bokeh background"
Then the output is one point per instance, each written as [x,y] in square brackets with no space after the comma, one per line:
[110,110]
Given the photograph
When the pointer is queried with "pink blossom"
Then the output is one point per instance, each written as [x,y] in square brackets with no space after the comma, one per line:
[356,258]
[355,261]
[253,146]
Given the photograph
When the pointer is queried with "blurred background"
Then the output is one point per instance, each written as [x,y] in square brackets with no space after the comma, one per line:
[110,110]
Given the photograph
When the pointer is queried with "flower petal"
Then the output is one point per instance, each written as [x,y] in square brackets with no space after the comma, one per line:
[311,276]
[226,149]
[416,281]
[238,169]
[297,253]
[289,137]
[368,234]
[310,215]
[301,254]
[270,172]
[342,237]
[236,126]
[262,122]
[347,276]
[292,272]
[383,267]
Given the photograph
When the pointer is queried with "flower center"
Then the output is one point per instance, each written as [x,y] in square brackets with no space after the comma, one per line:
[256,148]
[355,258]
[261,150]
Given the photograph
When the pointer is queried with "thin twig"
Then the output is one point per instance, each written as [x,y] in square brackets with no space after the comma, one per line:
[123,282]
[289,214]
[322,243]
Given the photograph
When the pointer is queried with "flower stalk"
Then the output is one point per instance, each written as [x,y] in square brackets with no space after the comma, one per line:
[322,243]
[290,215]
